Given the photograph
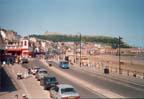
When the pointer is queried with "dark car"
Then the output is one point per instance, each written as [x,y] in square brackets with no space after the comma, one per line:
[24,60]
[48,82]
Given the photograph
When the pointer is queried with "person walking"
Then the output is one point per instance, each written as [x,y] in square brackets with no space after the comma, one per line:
[19,75]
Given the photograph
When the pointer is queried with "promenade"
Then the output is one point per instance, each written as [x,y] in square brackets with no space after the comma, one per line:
[28,86]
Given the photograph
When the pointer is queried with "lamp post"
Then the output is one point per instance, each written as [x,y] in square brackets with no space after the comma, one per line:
[131,58]
[119,45]
[80,49]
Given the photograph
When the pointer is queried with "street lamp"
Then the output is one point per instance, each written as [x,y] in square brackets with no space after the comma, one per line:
[80,49]
[119,45]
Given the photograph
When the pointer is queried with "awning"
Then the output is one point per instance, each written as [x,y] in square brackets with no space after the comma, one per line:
[28,53]
[13,49]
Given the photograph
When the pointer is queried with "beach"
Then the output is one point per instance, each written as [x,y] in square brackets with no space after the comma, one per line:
[128,62]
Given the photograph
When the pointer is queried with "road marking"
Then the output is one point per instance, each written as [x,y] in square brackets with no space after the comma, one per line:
[28,95]
[95,88]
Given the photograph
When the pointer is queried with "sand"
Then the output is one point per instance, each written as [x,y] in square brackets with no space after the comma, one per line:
[129,63]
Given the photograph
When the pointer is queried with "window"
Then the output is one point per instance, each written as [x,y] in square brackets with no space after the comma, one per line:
[53,79]
[45,72]
[65,90]
[25,43]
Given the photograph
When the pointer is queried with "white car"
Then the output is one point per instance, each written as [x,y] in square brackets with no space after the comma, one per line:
[64,91]
[34,70]
[41,73]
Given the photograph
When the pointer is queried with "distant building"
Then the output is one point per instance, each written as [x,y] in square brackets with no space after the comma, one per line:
[33,39]
[1,42]
[19,48]
[50,33]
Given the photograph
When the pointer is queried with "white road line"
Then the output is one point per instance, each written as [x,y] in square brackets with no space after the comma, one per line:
[95,88]
[27,93]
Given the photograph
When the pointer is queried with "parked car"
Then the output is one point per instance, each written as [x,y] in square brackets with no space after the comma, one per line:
[64,64]
[64,91]
[41,73]
[34,70]
[24,60]
[48,82]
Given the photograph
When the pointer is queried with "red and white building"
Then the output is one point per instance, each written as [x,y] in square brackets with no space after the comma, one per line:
[20,48]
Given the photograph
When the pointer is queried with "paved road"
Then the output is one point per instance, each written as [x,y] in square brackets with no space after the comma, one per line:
[114,86]
[84,93]
[119,88]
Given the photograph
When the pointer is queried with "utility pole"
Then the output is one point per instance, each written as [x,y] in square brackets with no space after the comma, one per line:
[80,49]
[119,45]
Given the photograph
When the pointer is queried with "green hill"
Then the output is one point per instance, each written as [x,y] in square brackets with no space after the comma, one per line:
[113,41]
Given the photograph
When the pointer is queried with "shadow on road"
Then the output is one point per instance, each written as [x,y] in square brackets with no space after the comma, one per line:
[6,82]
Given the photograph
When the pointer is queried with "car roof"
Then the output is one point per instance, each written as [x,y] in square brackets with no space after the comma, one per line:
[36,67]
[49,76]
[63,61]
[65,86]
[42,69]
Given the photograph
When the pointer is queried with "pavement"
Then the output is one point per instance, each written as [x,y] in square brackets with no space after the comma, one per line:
[28,86]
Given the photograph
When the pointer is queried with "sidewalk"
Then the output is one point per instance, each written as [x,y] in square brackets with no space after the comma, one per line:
[137,82]
[29,85]
[12,89]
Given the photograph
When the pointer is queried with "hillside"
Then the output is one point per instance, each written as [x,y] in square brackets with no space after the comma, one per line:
[113,41]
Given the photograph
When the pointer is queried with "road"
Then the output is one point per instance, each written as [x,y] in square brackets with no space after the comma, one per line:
[103,83]
[84,93]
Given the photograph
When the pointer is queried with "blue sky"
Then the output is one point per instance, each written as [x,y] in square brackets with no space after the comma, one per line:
[95,17]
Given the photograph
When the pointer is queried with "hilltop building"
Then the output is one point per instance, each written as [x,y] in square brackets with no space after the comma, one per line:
[50,33]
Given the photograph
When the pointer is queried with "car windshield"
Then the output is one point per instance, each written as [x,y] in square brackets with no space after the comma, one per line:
[45,72]
[64,62]
[53,79]
[65,90]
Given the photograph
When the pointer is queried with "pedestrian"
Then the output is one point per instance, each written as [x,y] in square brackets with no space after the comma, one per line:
[24,96]
[4,63]
[8,61]
[19,75]
[29,70]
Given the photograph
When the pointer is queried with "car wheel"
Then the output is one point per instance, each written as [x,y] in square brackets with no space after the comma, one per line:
[50,96]
[48,88]
[40,83]
[37,79]
[45,88]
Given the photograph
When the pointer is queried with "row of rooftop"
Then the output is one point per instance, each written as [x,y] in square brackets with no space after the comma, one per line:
[9,38]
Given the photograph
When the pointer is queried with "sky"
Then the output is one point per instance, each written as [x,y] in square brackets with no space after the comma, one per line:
[115,18]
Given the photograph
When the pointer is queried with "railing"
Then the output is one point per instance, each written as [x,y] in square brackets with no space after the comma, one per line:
[126,72]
